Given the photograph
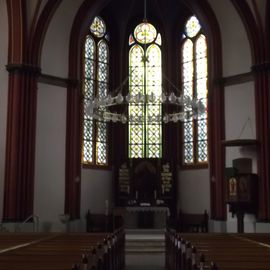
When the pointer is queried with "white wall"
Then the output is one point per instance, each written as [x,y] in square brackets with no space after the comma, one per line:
[50,155]
[51,120]
[3,95]
[194,191]
[240,119]
[235,45]
[55,53]
[96,188]
[240,122]
[96,185]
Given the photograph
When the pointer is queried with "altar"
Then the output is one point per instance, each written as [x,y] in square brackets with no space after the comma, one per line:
[154,217]
[144,188]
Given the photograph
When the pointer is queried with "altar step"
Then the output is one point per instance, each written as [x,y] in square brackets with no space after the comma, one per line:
[147,232]
[139,243]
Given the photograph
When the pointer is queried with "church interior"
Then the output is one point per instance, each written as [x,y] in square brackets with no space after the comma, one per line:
[139,114]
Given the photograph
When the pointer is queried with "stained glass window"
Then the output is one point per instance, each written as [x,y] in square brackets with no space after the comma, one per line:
[98,27]
[145,33]
[194,84]
[131,40]
[145,77]
[95,83]
[192,27]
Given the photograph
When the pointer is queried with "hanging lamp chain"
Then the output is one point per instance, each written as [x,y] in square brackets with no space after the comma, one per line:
[145,19]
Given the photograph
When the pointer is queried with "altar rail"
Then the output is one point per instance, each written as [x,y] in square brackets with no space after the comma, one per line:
[131,214]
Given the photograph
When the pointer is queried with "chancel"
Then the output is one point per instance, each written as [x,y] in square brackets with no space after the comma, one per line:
[125,124]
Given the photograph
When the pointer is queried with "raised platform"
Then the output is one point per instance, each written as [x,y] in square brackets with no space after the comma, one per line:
[145,232]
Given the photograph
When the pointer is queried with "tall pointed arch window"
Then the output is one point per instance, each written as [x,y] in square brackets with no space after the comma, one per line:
[95,84]
[145,78]
[194,84]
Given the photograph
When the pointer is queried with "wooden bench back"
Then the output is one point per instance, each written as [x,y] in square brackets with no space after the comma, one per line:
[192,222]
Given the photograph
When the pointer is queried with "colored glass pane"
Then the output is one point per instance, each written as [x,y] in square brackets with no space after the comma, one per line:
[95,83]
[153,70]
[145,33]
[153,110]
[188,153]
[202,151]
[101,145]
[194,83]
[158,39]
[136,141]
[136,80]
[88,144]
[131,40]
[89,48]
[145,137]
[201,87]
[98,27]
[103,52]
[192,27]
[102,69]
[136,70]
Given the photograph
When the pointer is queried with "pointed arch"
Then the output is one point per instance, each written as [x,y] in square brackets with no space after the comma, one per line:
[95,81]
[216,122]
[194,84]
[145,71]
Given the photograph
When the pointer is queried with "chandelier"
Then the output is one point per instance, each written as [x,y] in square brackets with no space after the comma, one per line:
[181,107]
[185,107]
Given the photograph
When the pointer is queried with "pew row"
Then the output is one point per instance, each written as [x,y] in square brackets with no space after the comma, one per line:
[67,251]
[185,251]
[14,240]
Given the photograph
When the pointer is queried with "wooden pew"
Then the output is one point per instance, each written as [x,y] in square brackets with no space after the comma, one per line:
[228,251]
[8,240]
[192,222]
[64,250]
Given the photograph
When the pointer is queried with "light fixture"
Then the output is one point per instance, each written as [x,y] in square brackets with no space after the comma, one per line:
[180,107]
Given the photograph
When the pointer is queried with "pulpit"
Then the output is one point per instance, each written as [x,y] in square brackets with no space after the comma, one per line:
[241,192]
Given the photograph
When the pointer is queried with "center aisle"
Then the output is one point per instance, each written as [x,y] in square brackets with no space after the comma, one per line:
[145,250]
[145,262]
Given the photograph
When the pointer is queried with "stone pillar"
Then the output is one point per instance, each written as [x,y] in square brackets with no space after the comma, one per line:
[262,100]
[73,151]
[20,145]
